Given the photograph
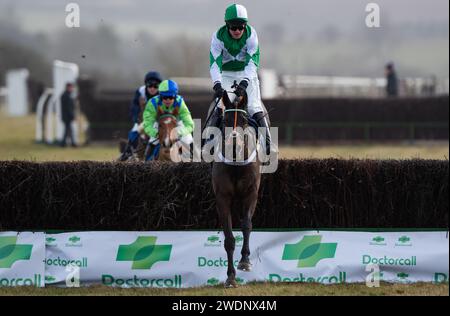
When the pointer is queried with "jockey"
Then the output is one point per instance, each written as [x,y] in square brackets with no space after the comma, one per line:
[141,96]
[145,93]
[168,101]
[234,58]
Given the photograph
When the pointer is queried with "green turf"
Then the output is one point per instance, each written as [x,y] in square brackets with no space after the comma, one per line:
[17,142]
[258,289]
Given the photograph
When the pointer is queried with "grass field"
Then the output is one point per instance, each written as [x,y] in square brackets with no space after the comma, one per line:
[259,289]
[17,142]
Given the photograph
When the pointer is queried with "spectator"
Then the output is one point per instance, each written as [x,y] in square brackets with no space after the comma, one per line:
[68,114]
[391,78]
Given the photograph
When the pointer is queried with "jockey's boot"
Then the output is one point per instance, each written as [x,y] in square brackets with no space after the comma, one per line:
[260,118]
[133,140]
[150,153]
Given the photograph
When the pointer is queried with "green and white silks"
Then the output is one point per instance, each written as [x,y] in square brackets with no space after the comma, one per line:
[236,60]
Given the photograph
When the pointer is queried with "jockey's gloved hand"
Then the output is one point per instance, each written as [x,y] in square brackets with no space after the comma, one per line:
[241,88]
[218,90]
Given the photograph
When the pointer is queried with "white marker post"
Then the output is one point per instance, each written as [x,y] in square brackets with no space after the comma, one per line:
[17,97]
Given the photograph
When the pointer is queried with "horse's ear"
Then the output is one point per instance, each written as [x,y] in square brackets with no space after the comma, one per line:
[226,99]
[160,110]
[243,101]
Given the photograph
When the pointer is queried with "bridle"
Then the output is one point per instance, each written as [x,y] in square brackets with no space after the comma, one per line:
[235,115]
[160,117]
[235,135]
[235,111]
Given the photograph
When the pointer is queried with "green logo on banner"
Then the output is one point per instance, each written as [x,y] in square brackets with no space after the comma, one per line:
[402,275]
[213,239]
[302,278]
[239,239]
[49,279]
[10,252]
[144,252]
[74,239]
[50,242]
[213,281]
[404,241]
[309,251]
[378,239]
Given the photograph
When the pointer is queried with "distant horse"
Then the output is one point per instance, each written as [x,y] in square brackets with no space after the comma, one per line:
[127,149]
[127,153]
[167,136]
[166,140]
[236,183]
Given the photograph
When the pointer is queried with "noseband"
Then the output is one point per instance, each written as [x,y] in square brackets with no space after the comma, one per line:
[235,111]
[166,115]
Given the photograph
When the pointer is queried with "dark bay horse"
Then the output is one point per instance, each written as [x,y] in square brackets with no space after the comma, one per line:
[126,148]
[236,183]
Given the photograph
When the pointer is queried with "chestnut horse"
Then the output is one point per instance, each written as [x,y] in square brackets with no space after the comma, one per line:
[167,134]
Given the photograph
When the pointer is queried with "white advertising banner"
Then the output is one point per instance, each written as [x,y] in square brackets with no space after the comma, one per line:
[22,257]
[195,258]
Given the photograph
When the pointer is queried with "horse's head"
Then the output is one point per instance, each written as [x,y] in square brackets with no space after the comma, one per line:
[232,104]
[235,121]
[167,133]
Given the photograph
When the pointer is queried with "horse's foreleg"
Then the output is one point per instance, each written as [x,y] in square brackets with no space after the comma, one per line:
[246,220]
[224,209]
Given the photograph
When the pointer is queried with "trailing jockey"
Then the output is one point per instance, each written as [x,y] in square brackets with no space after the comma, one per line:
[234,61]
[144,93]
[168,101]
[141,96]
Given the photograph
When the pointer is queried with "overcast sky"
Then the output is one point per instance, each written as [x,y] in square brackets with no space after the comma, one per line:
[201,17]
[318,37]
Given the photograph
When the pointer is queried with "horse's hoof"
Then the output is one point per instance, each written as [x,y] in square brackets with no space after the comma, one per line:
[231,283]
[245,266]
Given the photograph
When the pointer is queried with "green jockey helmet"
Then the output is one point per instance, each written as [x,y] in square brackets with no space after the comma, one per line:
[236,12]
